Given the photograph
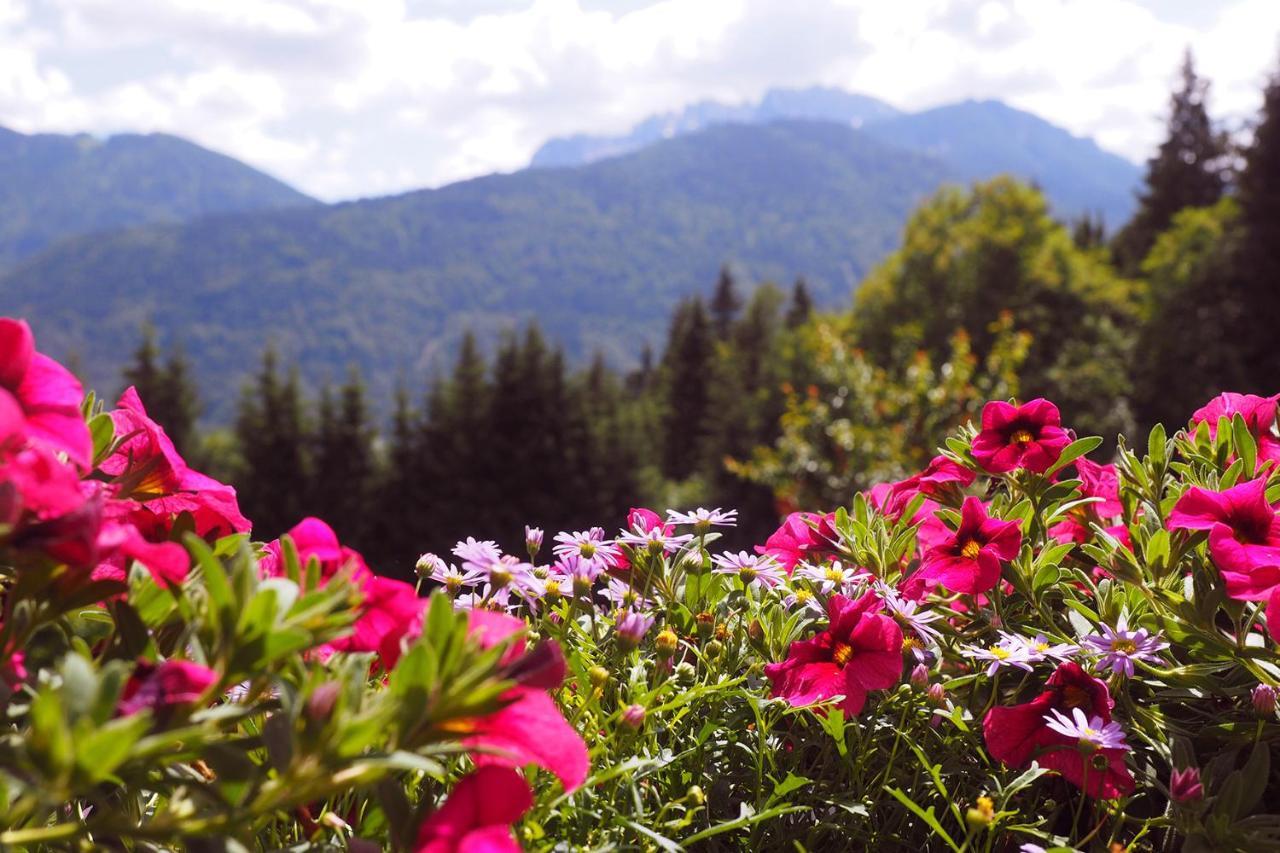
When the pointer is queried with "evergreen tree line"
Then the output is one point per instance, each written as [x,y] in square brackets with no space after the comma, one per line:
[518,438]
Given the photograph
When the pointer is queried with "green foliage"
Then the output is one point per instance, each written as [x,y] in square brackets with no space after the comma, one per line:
[969,256]
[856,423]
[1189,170]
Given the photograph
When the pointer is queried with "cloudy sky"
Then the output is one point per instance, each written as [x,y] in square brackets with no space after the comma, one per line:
[347,98]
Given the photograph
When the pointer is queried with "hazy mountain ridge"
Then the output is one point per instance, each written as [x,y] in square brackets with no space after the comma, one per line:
[597,254]
[56,186]
[977,139]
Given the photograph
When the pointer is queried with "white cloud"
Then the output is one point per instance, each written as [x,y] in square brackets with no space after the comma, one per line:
[358,97]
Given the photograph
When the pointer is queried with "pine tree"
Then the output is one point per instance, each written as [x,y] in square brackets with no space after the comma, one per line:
[398,499]
[687,369]
[1258,265]
[343,462]
[166,390]
[1189,170]
[801,307]
[725,303]
[273,444]
[1089,231]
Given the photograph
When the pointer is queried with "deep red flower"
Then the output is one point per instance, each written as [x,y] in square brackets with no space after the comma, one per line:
[150,472]
[802,536]
[1244,535]
[1018,734]
[860,651]
[162,687]
[1259,415]
[119,543]
[529,729]
[45,392]
[1028,436]
[477,816]
[643,520]
[969,560]
[938,476]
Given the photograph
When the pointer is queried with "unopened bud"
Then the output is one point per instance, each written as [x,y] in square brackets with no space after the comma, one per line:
[599,676]
[755,630]
[686,674]
[714,649]
[427,563]
[633,716]
[920,675]
[1264,700]
[981,815]
[1185,786]
[532,540]
[321,701]
[706,623]
[666,643]
[937,694]
[696,796]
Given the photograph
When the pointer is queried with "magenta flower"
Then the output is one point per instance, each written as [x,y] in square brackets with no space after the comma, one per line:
[149,473]
[1244,535]
[1185,785]
[1259,415]
[969,560]
[477,816]
[389,609]
[163,687]
[1096,481]
[1273,614]
[1018,734]
[44,392]
[803,537]
[631,628]
[529,729]
[860,651]
[1028,436]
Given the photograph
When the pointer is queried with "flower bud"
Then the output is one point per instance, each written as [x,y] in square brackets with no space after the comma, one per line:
[1185,786]
[981,815]
[599,676]
[755,630]
[427,563]
[633,716]
[320,703]
[532,540]
[631,628]
[686,674]
[706,623]
[714,649]
[1264,700]
[920,676]
[667,643]
[937,693]
[695,795]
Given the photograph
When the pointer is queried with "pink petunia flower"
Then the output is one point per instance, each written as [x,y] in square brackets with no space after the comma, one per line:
[969,560]
[1259,415]
[477,816]
[44,392]
[860,651]
[158,481]
[162,687]
[529,729]
[1028,436]
[804,536]
[1244,535]
[389,609]
[1019,734]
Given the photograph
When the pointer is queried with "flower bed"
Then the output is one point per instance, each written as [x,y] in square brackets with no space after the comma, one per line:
[1017,648]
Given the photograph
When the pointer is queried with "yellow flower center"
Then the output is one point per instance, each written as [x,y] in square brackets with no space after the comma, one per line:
[1000,651]
[841,653]
[1127,647]
[1022,436]
[971,549]
[909,643]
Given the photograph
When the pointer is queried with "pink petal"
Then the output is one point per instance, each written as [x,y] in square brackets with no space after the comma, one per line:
[531,730]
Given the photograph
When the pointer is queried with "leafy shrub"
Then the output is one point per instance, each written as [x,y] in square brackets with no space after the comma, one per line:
[1016,648]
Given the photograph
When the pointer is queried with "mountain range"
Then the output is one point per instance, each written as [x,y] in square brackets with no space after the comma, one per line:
[597,252]
[54,186]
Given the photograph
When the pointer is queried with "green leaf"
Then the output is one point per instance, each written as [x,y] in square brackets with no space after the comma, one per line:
[742,822]
[926,815]
[1074,451]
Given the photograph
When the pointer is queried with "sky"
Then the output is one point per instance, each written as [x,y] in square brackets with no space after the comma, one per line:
[353,98]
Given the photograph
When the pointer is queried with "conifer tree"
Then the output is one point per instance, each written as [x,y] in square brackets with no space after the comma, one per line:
[725,303]
[1188,170]
[166,390]
[1258,265]
[801,307]
[689,359]
[144,373]
[343,461]
[272,438]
